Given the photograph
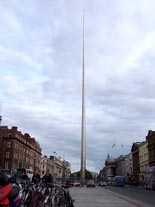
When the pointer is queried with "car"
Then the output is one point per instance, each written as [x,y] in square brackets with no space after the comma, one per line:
[91,183]
[28,172]
[102,184]
[67,184]
[77,184]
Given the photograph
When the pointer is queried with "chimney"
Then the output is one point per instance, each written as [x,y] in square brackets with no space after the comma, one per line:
[14,128]
[0,120]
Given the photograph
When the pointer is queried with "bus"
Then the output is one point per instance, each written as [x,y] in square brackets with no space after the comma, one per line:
[29,172]
[119,181]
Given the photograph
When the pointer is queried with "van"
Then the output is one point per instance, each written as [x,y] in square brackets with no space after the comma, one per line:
[29,172]
[119,181]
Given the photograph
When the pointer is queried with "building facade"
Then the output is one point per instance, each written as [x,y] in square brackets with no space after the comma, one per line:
[57,167]
[128,165]
[120,166]
[66,169]
[43,165]
[151,147]
[143,160]
[110,168]
[136,164]
[18,150]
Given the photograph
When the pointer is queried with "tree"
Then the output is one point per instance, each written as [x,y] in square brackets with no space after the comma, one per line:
[78,175]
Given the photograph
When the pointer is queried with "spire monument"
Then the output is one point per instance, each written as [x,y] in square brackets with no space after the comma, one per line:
[83,117]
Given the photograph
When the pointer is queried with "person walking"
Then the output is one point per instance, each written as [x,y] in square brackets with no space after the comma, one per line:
[47,178]
[5,190]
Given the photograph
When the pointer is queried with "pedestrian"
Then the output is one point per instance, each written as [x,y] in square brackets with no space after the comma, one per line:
[36,178]
[5,190]
[47,178]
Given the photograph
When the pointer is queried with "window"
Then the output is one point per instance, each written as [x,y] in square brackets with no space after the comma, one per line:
[9,144]
[15,155]
[7,155]
[6,165]
[16,146]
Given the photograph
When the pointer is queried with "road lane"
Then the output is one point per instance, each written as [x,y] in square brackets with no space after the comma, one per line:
[100,197]
[136,193]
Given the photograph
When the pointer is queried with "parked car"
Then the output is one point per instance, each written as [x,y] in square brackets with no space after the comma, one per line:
[77,184]
[102,184]
[91,183]
[67,184]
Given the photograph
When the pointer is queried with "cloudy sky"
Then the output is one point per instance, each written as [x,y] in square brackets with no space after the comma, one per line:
[40,73]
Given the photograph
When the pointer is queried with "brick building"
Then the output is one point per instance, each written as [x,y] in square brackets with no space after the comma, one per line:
[151,147]
[18,150]
[135,162]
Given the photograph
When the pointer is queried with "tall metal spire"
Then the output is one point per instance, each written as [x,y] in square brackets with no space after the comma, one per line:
[83,137]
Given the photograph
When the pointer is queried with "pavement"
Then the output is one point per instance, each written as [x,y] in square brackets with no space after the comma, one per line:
[103,197]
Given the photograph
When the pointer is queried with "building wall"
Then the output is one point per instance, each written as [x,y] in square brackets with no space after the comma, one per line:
[135,158]
[59,168]
[124,165]
[120,166]
[110,167]
[18,150]
[43,165]
[128,164]
[143,158]
[151,147]
[50,166]
[66,169]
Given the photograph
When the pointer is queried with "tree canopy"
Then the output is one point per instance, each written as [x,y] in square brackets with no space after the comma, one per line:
[78,174]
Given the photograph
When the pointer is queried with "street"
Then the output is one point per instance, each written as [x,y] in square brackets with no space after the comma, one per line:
[137,193]
[105,197]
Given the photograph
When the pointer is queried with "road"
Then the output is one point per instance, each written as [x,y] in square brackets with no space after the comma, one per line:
[104,197]
[136,193]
